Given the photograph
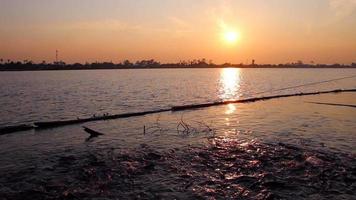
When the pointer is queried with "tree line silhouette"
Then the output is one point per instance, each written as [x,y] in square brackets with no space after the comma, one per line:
[9,65]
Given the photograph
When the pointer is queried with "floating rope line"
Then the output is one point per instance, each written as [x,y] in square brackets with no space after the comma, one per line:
[254,99]
[332,104]
[304,85]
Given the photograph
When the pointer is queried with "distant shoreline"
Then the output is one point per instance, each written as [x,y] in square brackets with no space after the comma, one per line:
[84,67]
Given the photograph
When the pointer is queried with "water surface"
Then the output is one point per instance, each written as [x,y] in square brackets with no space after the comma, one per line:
[251,150]
[55,95]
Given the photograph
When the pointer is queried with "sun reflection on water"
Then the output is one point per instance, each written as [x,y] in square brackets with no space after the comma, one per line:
[230,109]
[229,83]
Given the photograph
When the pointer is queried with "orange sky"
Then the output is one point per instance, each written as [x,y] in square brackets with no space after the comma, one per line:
[275,31]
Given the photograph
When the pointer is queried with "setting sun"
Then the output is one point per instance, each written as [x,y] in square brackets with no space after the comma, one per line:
[231,37]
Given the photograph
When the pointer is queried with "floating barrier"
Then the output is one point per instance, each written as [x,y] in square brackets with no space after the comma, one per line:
[12,129]
[53,124]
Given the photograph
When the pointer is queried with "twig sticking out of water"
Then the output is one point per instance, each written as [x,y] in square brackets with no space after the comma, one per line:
[207,129]
[156,127]
[188,129]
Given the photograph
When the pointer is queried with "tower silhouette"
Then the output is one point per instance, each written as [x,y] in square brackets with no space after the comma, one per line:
[56,56]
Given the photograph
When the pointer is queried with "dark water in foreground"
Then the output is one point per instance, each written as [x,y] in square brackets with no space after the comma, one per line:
[226,169]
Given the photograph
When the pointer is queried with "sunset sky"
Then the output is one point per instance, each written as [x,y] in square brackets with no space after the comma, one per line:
[273,31]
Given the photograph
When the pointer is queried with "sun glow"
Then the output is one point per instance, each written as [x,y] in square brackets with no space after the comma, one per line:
[231,37]
[229,33]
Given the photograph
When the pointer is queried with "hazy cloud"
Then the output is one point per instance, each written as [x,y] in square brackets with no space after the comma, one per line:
[178,22]
[102,25]
[343,8]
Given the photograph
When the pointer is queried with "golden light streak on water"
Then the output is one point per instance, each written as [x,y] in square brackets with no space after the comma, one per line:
[229,83]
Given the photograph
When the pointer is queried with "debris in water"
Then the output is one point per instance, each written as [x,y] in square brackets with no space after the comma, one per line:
[92,133]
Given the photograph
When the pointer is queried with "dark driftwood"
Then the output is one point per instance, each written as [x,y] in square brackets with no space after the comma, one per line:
[92,132]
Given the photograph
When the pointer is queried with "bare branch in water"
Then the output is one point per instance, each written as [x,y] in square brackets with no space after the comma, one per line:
[187,129]
[156,127]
